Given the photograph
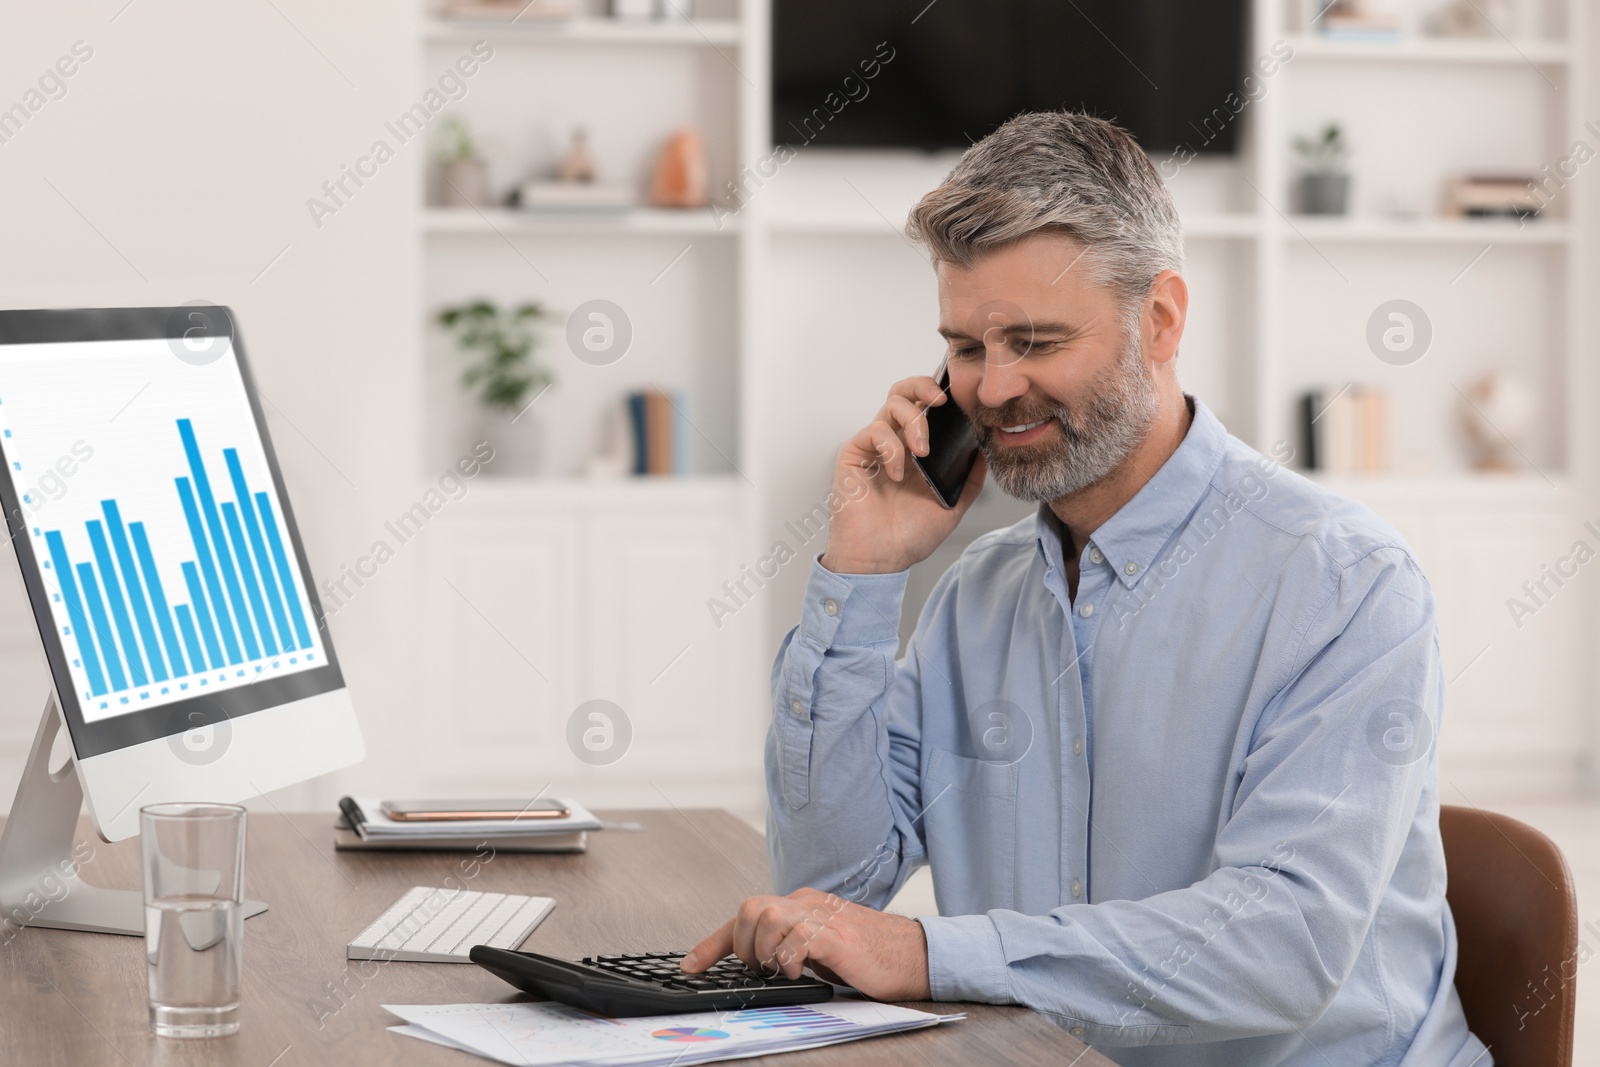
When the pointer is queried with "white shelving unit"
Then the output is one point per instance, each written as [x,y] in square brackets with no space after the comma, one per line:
[796,313]
[565,589]
[1516,705]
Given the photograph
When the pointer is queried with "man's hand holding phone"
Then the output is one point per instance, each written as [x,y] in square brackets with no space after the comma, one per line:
[899,520]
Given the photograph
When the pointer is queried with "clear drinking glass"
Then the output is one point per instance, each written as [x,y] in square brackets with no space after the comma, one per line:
[193,916]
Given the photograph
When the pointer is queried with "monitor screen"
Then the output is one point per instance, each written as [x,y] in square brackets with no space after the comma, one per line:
[907,73]
[154,535]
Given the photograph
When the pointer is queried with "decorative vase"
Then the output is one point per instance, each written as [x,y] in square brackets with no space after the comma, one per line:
[1499,411]
[682,176]
[578,164]
[1324,192]
[465,184]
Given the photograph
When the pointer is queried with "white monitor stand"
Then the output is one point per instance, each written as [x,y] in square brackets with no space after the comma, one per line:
[39,880]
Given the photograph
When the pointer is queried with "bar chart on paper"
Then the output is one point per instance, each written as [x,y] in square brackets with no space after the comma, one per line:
[164,555]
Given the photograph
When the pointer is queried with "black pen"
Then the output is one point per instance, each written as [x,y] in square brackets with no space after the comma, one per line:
[353,816]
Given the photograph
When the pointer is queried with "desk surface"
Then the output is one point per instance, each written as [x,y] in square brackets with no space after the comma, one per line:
[79,999]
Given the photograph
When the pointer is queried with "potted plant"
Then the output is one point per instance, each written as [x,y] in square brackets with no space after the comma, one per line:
[1324,183]
[463,172]
[504,375]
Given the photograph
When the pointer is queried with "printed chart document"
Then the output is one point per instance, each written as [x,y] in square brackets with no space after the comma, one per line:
[533,1034]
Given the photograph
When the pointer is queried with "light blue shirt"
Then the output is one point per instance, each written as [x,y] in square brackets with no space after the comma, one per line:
[1192,812]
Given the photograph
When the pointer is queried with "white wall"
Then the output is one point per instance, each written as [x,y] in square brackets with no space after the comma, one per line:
[177,167]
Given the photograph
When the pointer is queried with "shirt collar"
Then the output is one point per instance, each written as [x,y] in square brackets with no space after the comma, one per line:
[1132,537]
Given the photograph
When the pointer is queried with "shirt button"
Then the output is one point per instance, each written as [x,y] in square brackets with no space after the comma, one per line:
[797,707]
[1096,555]
[1086,610]
[1130,568]
[1077,746]
[1076,1031]
[1077,888]
[831,606]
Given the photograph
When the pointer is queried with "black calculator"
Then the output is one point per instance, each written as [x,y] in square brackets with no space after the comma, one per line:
[647,983]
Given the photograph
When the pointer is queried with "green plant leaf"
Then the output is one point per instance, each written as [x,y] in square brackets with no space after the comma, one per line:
[501,348]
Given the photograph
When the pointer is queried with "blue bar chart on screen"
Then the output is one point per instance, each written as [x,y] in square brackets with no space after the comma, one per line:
[254,637]
[183,580]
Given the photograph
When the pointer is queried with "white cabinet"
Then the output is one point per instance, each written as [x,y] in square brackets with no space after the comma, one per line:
[556,594]
[507,603]
[1515,703]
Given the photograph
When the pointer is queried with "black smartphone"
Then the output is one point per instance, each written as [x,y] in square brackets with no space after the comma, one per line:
[952,447]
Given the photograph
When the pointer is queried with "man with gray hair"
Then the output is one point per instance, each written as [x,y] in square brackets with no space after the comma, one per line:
[1167,745]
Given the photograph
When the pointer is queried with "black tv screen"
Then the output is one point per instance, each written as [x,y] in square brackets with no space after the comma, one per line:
[907,73]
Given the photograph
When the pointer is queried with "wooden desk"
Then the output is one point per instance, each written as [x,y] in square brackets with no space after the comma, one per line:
[78,999]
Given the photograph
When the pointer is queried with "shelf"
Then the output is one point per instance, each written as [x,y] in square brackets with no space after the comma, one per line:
[831,224]
[703,32]
[513,489]
[1433,50]
[1221,225]
[1428,230]
[1456,485]
[867,224]
[453,221]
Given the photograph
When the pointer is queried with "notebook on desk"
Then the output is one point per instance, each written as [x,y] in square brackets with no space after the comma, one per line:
[380,833]
[347,840]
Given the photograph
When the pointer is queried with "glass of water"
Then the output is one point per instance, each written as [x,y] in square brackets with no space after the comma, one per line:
[193,916]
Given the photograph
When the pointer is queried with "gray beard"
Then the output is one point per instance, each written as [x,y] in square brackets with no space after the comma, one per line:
[1108,426]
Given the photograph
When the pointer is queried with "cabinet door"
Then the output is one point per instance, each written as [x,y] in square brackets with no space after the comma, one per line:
[1513,712]
[508,673]
[1514,688]
[651,644]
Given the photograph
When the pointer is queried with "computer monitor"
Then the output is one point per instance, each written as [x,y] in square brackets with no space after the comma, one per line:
[187,650]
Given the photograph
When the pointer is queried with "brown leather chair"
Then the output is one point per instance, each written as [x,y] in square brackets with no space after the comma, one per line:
[1517,923]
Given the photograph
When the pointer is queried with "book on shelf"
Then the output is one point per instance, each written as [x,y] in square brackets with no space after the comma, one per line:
[1515,196]
[1356,21]
[1345,431]
[659,433]
[1358,34]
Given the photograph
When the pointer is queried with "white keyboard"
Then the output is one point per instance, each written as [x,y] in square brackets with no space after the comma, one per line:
[430,925]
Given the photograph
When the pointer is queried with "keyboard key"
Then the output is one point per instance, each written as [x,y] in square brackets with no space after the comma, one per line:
[491,931]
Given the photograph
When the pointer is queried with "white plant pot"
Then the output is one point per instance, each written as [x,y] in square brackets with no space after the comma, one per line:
[518,446]
[465,184]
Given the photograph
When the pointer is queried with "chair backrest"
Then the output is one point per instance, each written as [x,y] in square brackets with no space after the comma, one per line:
[1516,917]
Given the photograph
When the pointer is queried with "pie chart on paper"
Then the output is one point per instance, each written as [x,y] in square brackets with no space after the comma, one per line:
[688,1033]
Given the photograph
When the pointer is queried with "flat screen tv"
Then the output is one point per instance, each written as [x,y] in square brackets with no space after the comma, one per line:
[945,73]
